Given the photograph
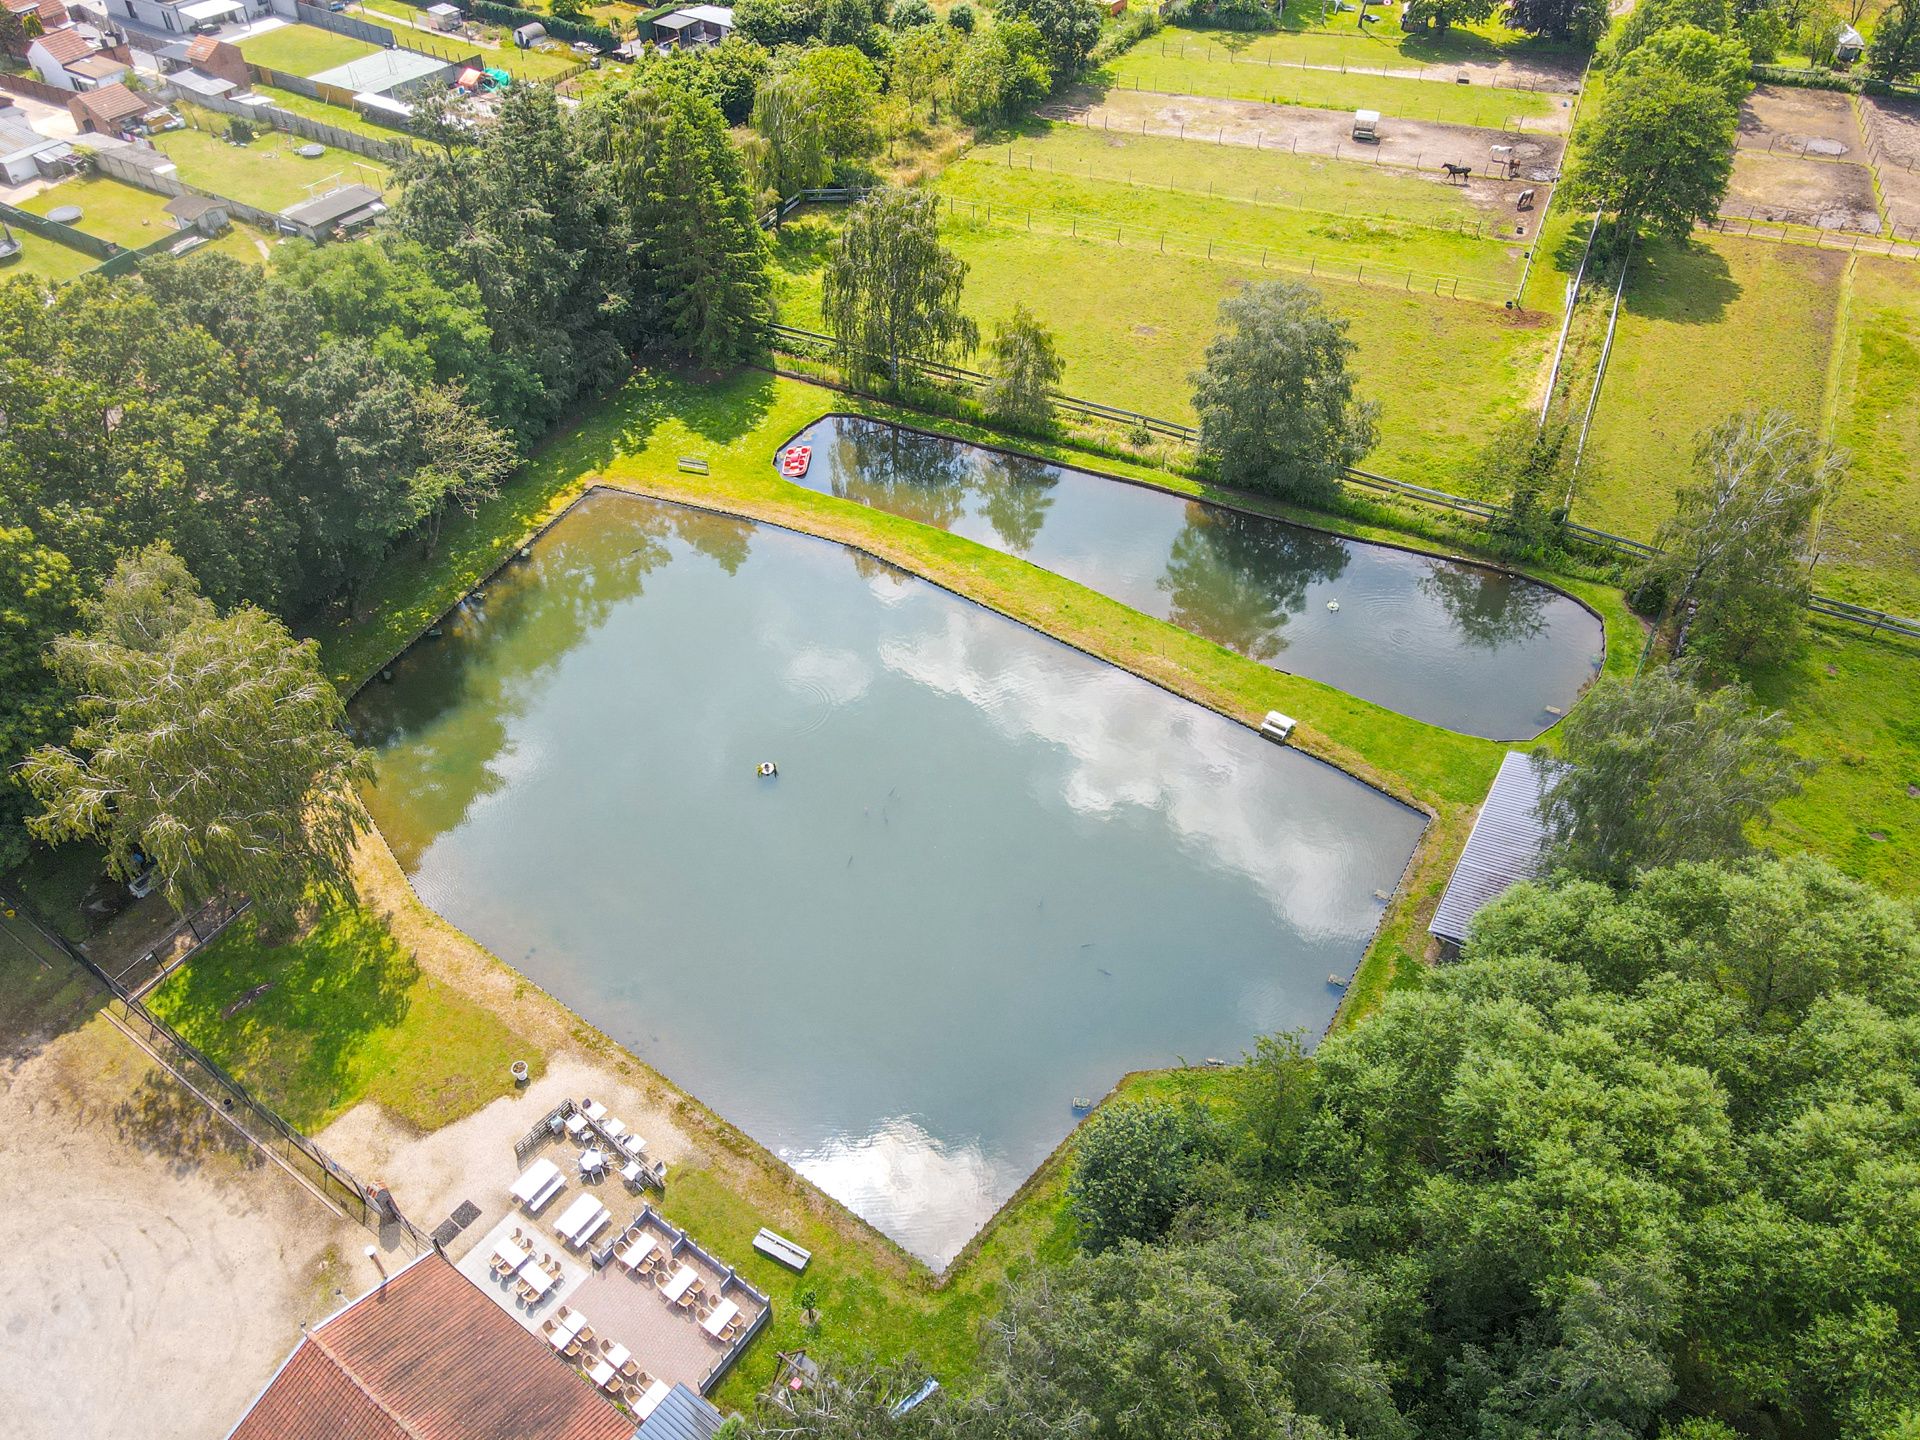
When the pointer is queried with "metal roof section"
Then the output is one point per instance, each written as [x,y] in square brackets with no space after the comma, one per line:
[1502,849]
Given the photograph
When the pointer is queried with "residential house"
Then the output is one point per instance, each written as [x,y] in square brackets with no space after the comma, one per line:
[430,1355]
[51,53]
[694,25]
[186,17]
[113,109]
[45,15]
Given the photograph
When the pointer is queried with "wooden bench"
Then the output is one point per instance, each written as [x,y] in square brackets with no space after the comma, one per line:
[694,464]
[778,1247]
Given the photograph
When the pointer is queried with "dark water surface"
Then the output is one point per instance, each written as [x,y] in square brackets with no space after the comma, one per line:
[992,874]
[1458,645]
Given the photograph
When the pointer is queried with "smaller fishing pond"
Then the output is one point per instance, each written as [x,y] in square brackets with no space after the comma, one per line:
[1464,646]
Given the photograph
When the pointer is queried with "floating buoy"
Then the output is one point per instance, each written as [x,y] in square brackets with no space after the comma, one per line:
[768,768]
[1081,1104]
[1333,604]
[794,460]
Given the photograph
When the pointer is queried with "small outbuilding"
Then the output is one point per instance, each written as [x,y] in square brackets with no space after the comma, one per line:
[1848,46]
[445,17]
[26,154]
[201,214]
[1502,850]
[529,35]
[111,110]
[350,208]
[694,25]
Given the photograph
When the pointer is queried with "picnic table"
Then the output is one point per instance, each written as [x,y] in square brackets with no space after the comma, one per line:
[721,1317]
[584,1210]
[650,1402]
[682,1281]
[593,1162]
[533,1178]
[594,1227]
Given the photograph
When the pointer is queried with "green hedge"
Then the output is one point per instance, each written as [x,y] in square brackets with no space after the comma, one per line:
[568,30]
[1817,78]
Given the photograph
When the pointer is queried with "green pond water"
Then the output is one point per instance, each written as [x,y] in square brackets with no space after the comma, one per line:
[991,875]
[1465,646]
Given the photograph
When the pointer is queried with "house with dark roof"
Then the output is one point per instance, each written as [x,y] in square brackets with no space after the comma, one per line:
[1502,849]
[113,109]
[428,1355]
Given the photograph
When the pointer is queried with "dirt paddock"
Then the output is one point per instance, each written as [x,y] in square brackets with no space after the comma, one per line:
[1827,194]
[159,1270]
[1789,121]
[1418,143]
[1893,130]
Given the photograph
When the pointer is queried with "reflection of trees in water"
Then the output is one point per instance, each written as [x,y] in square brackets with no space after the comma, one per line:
[916,476]
[1016,491]
[444,722]
[1488,608]
[1237,578]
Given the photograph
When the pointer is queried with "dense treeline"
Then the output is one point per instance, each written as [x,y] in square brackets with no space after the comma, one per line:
[1644,1163]
[282,433]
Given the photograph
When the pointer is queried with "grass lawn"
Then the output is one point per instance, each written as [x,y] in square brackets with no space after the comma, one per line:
[1851,699]
[46,260]
[345,1015]
[336,115]
[303,49]
[1196,64]
[266,172]
[112,210]
[1133,324]
[1870,539]
[1705,329]
[1189,220]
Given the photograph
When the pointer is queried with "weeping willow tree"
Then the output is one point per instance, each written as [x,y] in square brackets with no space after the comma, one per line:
[210,744]
[892,290]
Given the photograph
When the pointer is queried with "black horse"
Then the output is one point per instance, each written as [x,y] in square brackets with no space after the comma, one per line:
[1458,172]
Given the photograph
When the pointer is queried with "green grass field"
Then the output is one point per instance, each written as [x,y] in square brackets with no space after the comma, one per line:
[1140,190]
[46,260]
[1132,325]
[340,1015]
[336,115]
[1705,329]
[1206,63]
[1870,538]
[303,49]
[267,172]
[110,209]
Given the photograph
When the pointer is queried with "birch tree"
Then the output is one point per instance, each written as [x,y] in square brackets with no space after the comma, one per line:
[893,290]
[1660,771]
[210,744]
[1730,565]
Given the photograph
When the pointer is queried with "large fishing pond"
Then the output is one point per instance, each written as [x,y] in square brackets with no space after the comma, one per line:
[991,875]
[1465,646]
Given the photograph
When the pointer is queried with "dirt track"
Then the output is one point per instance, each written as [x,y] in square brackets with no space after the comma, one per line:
[1827,194]
[1411,143]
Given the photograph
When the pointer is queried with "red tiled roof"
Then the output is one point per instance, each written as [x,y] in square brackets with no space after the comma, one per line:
[51,12]
[201,48]
[428,1356]
[65,46]
[111,103]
